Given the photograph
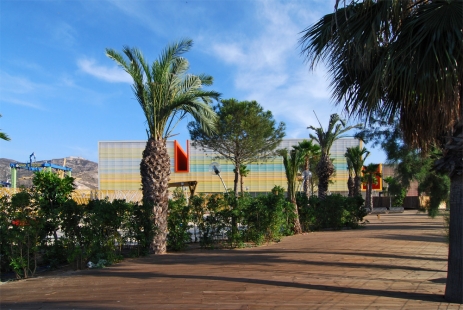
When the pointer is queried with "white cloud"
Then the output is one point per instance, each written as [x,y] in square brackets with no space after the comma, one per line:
[22,103]
[268,66]
[64,34]
[18,84]
[113,74]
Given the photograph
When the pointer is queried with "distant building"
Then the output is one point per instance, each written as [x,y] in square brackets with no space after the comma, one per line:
[119,167]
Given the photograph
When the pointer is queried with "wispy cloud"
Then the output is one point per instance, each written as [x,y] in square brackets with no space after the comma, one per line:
[112,74]
[268,66]
[20,90]
[22,103]
[64,33]
[19,84]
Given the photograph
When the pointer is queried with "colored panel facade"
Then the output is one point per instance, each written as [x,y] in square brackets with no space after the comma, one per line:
[119,167]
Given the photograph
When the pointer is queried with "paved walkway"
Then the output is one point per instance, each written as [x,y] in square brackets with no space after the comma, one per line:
[397,262]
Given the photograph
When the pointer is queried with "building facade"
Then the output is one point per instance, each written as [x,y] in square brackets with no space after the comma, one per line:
[119,167]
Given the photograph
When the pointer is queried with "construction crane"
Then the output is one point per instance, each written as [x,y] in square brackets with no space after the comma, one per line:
[34,166]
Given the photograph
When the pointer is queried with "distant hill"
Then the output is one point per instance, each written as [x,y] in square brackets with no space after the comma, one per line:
[85,171]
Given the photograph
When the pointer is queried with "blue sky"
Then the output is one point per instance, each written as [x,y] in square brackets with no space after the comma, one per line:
[60,94]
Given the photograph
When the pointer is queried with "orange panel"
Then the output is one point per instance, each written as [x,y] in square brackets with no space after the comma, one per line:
[181,158]
[379,181]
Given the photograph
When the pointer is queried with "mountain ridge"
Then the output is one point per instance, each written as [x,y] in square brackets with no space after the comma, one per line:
[84,171]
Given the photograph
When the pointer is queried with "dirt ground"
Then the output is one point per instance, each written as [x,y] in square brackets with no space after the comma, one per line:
[399,261]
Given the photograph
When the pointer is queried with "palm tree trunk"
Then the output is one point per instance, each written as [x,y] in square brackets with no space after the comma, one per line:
[155,172]
[454,155]
[325,169]
[454,286]
[357,186]
[297,229]
[350,186]
[368,198]
[306,179]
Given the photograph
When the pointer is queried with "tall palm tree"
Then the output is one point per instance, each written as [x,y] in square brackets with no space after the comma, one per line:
[325,168]
[370,172]
[403,58]
[3,135]
[291,161]
[310,151]
[357,157]
[166,94]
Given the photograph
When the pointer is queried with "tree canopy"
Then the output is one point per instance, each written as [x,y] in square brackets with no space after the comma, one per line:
[245,133]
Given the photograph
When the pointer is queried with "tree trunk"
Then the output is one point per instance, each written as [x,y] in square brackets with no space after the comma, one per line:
[453,158]
[241,184]
[325,169]
[297,224]
[306,179]
[454,286]
[357,186]
[350,186]
[155,172]
[368,198]
[235,181]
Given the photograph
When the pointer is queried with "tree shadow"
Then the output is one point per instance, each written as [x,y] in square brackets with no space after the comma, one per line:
[262,258]
[282,284]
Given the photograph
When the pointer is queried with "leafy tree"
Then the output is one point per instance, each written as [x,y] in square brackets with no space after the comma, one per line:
[52,192]
[370,172]
[3,135]
[245,133]
[410,163]
[291,162]
[310,151]
[357,156]
[167,93]
[395,188]
[403,58]
[325,139]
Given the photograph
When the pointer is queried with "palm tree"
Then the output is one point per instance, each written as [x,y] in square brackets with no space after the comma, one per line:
[403,59]
[166,94]
[357,157]
[3,135]
[244,171]
[370,172]
[309,151]
[291,162]
[350,180]
[325,139]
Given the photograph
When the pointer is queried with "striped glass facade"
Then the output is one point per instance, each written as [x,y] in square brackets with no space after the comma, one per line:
[119,167]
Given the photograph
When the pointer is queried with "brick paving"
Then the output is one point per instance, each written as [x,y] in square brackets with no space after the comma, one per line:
[398,261]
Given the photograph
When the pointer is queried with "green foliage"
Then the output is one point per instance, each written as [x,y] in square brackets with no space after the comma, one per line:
[437,186]
[22,232]
[178,224]
[51,193]
[245,133]
[396,190]
[4,136]
[325,138]
[268,217]
[94,232]
[333,212]
[165,90]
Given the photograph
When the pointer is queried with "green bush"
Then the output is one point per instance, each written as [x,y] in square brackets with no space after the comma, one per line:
[22,232]
[178,224]
[333,212]
[268,217]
